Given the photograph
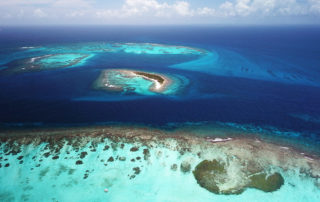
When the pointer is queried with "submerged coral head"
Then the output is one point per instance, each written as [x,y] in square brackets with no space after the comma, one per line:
[216,177]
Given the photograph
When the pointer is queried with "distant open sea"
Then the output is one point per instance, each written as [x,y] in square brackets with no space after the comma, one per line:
[160,113]
[250,98]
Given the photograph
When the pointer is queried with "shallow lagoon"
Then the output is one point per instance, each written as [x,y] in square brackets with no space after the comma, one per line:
[143,164]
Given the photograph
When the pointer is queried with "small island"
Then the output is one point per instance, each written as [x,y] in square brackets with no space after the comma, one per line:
[140,82]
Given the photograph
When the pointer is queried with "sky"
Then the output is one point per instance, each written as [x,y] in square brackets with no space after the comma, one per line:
[153,12]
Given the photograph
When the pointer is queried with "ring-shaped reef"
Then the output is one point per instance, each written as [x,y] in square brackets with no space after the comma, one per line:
[127,81]
[46,62]
[133,48]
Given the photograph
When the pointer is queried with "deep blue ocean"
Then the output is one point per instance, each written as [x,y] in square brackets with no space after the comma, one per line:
[56,96]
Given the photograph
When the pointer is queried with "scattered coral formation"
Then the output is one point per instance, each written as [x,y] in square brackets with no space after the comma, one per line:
[45,62]
[225,167]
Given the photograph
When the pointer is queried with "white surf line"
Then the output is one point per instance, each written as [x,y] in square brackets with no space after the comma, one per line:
[109,85]
[27,47]
[308,158]
[157,84]
[33,59]
[218,139]
[39,57]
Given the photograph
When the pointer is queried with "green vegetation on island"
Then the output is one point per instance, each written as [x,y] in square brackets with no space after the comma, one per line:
[151,76]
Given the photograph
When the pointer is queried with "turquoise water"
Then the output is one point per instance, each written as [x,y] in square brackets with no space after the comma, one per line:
[77,55]
[61,60]
[232,64]
[146,48]
[179,83]
[262,82]
[128,175]
[217,61]
[65,55]
[126,82]
[132,48]
[135,84]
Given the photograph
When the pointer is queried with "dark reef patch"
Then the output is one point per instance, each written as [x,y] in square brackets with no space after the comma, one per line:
[266,183]
[136,170]
[79,162]
[114,146]
[185,167]
[174,167]
[86,174]
[146,154]
[182,151]
[43,172]
[47,154]
[132,176]
[111,159]
[55,157]
[83,154]
[106,147]
[212,174]
[134,149]
[71,171]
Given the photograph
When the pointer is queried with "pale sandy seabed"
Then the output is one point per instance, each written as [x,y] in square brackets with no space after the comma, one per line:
[144,164]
